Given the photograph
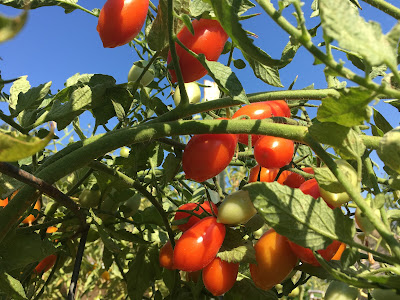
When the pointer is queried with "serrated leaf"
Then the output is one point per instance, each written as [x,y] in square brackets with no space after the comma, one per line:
[344,140]
[15,147]
[342,22]
[227,13]
[304,220]
[18,250]
[119,110]
[11,286]
[381,122]
[21,4]
[9,27]
[327,180]
[350,109]
[237,250]
[198,7]
[225,78]
[31,98]
[21,85]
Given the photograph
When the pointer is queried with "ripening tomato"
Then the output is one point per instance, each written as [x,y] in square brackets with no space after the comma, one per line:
[306,255]
[29,219]
[105,275]
[267,175]
[209,39]
[199,245]
[51,229]
[275,260]
[236,208]
[207,155]
[196,208]
[120,21]
[340,251]
[166,256]
[46,264]
[308,170]
[294,180]
[219,276]
[3,202]
[273,152]
[311,187]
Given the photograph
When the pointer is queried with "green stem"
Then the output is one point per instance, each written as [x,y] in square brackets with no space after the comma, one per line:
[386,234]
[385,7]
[78,7]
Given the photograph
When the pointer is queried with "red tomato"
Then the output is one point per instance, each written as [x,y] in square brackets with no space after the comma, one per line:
[209,39]
[308,170]
[306,255]
[207,155]
[275,260]
[199,245]
[273,152]
[267,175]
[121,20]
[196,208]
[279,108]
[219,276]
[294,180]
[166,256]
[46,264]
[311,187]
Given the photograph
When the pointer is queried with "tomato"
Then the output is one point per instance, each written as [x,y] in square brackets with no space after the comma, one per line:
[207,155]
[166,256]
[51,229]
[3,202]
[105,275]
[340,251]
[209,39]
[306,255]
[199,245]
[131,206]
[219,276]
[120,21]
[31,218]
[311,187]
[192,90]
[338,290]
[46,264]
[279,108]
[308,170]
[363,222]
[89,198]
[273,152]
[137,69]
[294,180]
[337,199]
[236,208]
[275,260]
[124,152]
[196,208]
[267,175]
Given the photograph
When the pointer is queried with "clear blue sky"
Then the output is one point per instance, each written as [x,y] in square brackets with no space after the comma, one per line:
[54,46]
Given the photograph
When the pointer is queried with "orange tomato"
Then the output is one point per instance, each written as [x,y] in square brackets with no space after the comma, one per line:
[31,218]
[267,175]
[275,260]
[51,229]
[166,256]
[219,276]
[306,255]
[46,264]
[339,252]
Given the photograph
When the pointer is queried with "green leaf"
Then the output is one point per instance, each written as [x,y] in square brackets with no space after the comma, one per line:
[109,243]
[381,122]
[14,147]
[31,98]
[9,27]
[341,21]
[125,235]
[237,250]
[198,7]
[18,250]
[328,181]
[346,142]
[11,286]
[21,85]
[304,220]
[350,109]
[245,289]
[149,215]
[227,12]
[225,78]
[171,167]
[21,4]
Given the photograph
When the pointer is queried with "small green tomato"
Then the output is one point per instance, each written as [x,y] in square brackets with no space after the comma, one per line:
[124,152]
[338,290]
[192,90]
[137,69]
[90,197]
[237,208]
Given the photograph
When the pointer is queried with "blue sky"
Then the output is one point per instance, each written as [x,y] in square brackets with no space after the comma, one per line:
[54,46]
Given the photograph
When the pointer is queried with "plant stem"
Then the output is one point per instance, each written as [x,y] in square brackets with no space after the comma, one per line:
[385,7]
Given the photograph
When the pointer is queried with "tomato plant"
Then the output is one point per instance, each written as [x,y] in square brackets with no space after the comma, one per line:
[219,276]
[340,291]
[262,174]
[339,252]
[209,39]
[31,218]
[294,180]
[46,264]
[199,245]
[306,255]
[311,187]
[207,155]
[236,208]
[195,208]
[116,26]
[192,90]
[273,152]
[166,256]
[275,260]
[90,197]
[125,152]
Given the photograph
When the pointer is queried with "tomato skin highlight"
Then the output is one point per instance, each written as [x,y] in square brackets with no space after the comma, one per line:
[46,264]
[207,155]
[209,39]
[306,255]
[199,245]
[166,256]
[275,260]
[273,152]
[120,21]
[219,276]
[195,208]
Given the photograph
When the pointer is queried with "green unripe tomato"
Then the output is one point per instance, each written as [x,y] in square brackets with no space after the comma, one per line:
[124,152]
[337,199]
[389,149]
[381,294]
[338,290]
[137,69]
[237,208]
[192,91]
[363,222]
[90,198]
[131,206]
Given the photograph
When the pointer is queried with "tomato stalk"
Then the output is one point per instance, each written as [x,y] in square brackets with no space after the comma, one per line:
[385,7]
